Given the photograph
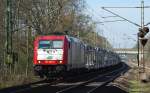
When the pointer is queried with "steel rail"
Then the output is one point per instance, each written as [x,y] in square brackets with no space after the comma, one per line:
[108,81]
[89,81]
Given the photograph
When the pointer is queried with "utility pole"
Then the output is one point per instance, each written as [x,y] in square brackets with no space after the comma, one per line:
[142,25]
[141,38]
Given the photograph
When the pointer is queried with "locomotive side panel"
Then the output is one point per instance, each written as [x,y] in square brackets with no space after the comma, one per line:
[76,54]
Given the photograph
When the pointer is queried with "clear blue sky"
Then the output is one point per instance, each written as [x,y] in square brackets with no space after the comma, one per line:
[118,33]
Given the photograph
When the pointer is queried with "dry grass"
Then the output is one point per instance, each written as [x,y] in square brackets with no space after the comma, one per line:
[14,80]
[131,83]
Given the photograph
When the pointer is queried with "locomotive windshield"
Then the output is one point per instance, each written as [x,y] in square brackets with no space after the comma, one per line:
[47,44]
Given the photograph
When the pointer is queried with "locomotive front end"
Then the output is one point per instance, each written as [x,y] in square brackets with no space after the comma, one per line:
[49,55]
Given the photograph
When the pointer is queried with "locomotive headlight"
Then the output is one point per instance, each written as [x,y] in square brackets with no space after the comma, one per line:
[60,62]
[39,61]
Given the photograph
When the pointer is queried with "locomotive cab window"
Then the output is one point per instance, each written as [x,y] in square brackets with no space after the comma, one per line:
[58,44]
[47,44]
[44,44]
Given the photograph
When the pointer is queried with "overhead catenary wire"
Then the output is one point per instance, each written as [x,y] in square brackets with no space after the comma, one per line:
[129,7]
[110,21]
[121,17]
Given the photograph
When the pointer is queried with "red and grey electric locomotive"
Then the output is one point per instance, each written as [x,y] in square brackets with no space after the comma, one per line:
[57,54]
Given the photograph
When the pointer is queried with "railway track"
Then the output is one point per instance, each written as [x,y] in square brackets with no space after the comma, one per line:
[87,82]
[90,86]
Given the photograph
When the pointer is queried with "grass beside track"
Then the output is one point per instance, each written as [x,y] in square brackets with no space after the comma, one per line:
[14,80]
[139,87]
[131,83]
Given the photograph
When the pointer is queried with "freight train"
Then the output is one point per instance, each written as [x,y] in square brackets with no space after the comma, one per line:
[60,54]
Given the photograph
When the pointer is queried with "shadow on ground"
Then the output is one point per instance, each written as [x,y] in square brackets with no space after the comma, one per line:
[110,89]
